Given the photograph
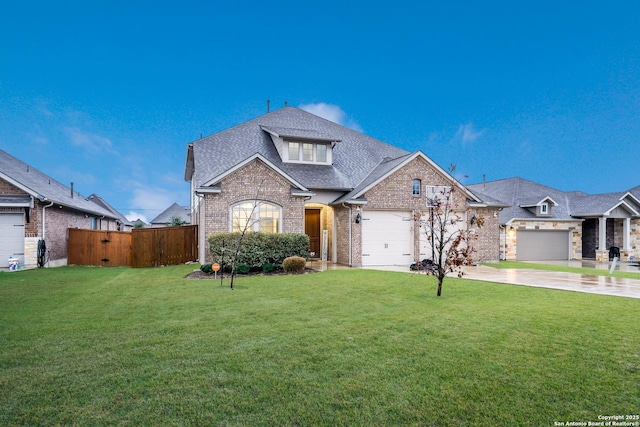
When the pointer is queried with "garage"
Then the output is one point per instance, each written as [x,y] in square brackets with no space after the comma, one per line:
[11,238]
[387,238]
[542,245]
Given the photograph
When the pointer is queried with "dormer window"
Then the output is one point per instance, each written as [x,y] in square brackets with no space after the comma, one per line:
[544,209]
[302,145]
[321,153]
[307,152]
[294,151]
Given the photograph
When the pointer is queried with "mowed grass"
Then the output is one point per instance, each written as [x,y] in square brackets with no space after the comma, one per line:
[113,346]
[565,268]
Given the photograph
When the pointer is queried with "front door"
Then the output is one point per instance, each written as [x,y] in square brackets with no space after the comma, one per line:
[312,229]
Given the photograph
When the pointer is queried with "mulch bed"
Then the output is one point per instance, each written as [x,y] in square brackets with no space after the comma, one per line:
[197,274]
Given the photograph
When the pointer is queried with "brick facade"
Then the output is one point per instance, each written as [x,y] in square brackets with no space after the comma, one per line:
[254,181]
[395,192]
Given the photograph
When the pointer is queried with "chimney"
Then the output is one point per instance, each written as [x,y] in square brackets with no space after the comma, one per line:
[268,102]
[72,190]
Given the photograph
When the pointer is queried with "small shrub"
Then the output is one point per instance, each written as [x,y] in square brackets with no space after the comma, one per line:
[243,268]
[206,268]
[294,264]
[267,267]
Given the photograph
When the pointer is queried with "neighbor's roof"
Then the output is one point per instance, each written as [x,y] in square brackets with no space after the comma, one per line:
[45,188]
[520,193]
[175,210]
[100,201]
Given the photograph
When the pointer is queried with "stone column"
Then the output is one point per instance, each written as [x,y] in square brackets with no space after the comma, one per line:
[626,233]
[602,254]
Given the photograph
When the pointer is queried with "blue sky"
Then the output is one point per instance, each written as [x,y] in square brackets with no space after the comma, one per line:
[107,94]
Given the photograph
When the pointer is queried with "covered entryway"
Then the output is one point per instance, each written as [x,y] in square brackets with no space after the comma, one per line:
[11,238]
[387,238]
[543,245]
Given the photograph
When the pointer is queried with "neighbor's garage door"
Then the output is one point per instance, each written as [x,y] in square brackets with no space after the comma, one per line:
[387,238]
[542,245]
[11,238]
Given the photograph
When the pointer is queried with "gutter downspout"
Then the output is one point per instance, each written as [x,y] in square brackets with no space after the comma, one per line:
[44,222]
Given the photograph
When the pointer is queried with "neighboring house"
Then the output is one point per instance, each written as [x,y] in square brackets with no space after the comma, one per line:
[361,201]
[174,211]
[138,223]
[125,224]
[35,207]
[542,223]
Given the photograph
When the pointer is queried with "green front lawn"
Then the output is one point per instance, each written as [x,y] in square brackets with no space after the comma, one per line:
[555,267]
[107,346]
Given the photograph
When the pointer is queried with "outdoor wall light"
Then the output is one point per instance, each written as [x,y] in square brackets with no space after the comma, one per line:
[512,231]
[473,220]
[358,216]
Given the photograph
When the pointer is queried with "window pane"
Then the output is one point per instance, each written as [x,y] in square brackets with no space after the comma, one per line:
[294,151]
[321,153]
[307,152]
[416,187]
[242,216]
[269,218]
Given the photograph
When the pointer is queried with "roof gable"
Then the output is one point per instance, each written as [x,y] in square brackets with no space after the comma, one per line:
[216,180]
[390,166]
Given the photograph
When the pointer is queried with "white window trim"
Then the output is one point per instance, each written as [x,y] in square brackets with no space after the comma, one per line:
[255,227]
[544,209]
[314,161]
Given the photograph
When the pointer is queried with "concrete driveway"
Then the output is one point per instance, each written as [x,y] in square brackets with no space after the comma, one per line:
[605,285]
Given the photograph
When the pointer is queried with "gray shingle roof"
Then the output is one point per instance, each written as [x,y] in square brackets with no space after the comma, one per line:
[182,212]
[518,192]
[44,187]
[100,201]
[355,156]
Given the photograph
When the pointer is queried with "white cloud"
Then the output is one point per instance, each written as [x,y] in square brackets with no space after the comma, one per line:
[467,134]
[89,141]
[149,202]
[134,216]
[332,113]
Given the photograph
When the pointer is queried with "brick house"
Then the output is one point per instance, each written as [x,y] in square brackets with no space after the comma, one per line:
[542,223]
[361,201]
[35,207]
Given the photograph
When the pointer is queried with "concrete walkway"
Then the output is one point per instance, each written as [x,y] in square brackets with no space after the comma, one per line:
[604,285]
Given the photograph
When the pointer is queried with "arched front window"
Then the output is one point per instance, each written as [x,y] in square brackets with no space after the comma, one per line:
[256,216]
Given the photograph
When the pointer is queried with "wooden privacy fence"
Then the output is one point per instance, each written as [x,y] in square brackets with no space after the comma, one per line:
[146,247]
[151,247]
[99,247]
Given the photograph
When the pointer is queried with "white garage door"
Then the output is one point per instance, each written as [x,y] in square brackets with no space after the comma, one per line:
[542,245]
[11,238]
[387,238]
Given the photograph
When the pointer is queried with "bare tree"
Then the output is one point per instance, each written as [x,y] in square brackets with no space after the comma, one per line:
[447,232]
[244,222]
